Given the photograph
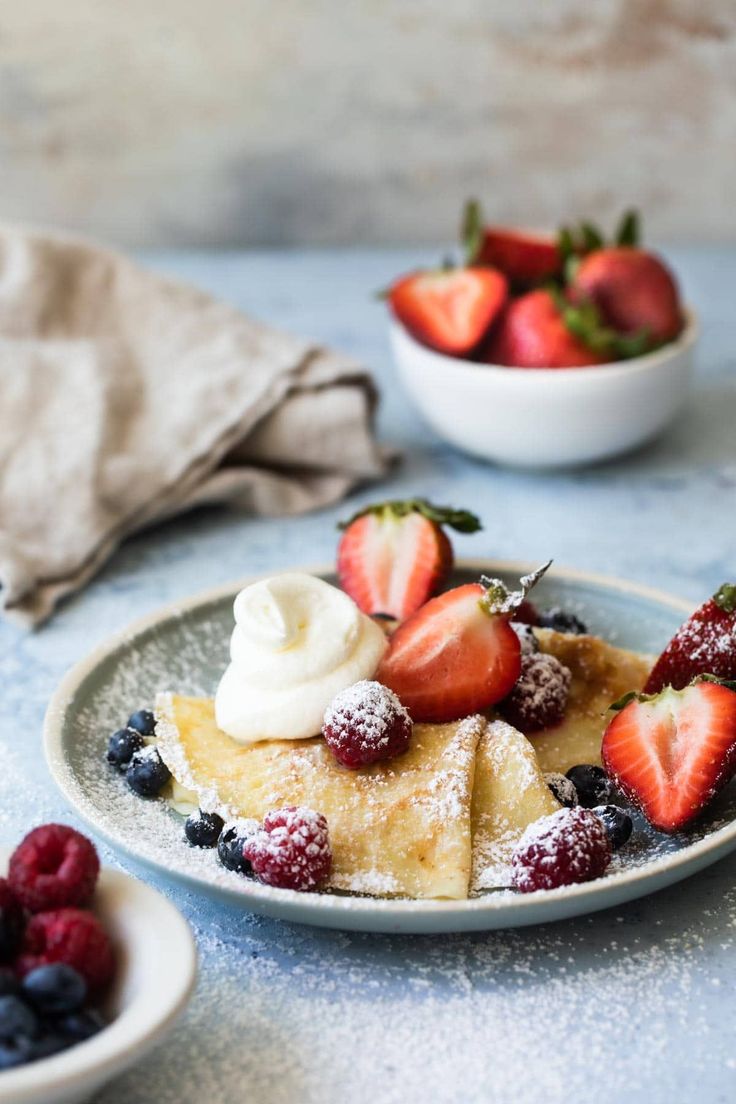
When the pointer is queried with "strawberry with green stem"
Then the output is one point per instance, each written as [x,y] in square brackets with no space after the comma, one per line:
[458,654]
[393,556]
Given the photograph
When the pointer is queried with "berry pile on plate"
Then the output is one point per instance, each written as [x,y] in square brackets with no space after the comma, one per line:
[542,301]
[56,959]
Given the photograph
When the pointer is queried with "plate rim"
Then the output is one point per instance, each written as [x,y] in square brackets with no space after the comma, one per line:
[327,908]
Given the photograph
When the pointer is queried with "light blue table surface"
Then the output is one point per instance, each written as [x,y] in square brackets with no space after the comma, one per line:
[635,1004]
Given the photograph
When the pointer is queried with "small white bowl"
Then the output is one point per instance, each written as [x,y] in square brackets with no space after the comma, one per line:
[156,970]
[547,417]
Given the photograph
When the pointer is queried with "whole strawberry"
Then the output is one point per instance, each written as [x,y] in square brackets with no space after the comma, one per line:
[634,291]
[393,556]
[704,645]
[533,332]
[524,257]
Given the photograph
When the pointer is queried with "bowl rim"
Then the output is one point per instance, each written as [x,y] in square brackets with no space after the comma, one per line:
[145,1019]
[477,369]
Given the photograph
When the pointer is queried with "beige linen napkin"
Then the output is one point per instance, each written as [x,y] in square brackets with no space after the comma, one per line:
[126,398]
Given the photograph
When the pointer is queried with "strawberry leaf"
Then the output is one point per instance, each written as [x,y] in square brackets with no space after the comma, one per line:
[498,599]
[591,236]
[462,521]
[471,230]
[629,229]
[730,684]
[725,598]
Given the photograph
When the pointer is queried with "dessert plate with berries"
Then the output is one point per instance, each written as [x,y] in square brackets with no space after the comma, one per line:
[402,743]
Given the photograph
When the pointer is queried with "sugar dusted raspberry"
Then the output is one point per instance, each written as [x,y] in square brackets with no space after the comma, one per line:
[539,698]
[291,850]
[567,847]
[53,867]
[72,936]
[365,724]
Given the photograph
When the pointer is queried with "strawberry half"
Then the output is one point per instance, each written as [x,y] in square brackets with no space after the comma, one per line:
[393,556]
[451,309]
[458,654]
[671,752]
[704,645]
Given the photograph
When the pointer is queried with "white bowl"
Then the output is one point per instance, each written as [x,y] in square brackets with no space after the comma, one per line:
[156,970]
[547,417]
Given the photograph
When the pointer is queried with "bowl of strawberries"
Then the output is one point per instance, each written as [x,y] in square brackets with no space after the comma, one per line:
[543,351]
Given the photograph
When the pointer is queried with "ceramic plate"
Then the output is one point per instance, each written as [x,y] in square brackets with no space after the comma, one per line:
[184,647]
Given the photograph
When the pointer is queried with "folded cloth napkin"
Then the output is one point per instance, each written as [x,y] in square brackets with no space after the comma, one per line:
[126,398]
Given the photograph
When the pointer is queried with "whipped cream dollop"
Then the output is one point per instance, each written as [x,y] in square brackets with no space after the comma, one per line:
[297,642]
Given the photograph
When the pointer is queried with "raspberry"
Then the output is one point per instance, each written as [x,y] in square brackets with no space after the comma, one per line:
[366,723]
[291,850]
[72,936]
[539,698]
[566,847]
[53,867]
[11,922]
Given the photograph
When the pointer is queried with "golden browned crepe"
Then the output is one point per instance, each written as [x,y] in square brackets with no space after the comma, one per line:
[601,674]
[509,794]
[439,821]
[400,828]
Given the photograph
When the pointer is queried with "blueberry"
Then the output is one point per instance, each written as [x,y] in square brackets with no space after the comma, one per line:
[9,984]
[78,1026]
[147,774]
[617,822]
[49,1042]
[562,621]
[230,849]
[592,784]
[122,746]
[17,1020]
[54,988]
[563,789]
[15,1052]
[142,721]
[203,829]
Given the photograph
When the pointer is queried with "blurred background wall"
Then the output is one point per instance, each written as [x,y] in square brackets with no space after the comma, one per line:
[278,122]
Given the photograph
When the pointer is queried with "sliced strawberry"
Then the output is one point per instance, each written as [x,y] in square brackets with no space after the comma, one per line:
[453,657]
[704,645]
[671,752]
[450,310]
[534,333]
[456,655]
[393,556]
[525,258]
